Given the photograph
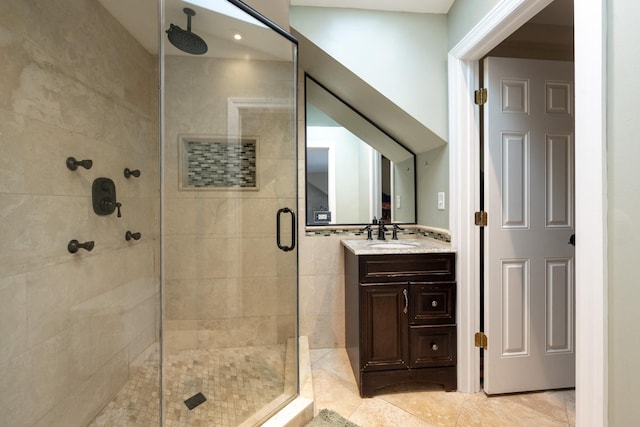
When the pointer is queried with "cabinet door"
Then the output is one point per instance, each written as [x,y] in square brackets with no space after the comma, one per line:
[384,341]
[432,303]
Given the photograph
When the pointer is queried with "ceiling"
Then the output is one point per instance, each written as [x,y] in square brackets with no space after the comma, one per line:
[416,6]
[215,30]
[132,14]
[215,27]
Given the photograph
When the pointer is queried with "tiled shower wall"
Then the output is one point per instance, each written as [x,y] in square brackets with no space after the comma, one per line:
[73,83]
[226,282]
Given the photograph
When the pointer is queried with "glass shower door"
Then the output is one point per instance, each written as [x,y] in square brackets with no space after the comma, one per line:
[229,178]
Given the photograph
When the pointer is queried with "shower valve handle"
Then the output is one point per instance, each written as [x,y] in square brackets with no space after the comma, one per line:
[109,205]
[131,235]
[75,245]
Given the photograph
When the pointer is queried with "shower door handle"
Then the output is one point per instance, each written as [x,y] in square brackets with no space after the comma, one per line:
[293,229]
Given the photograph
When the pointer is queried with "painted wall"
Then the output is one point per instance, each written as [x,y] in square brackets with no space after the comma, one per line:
[275,10]
[72,326]
[404,183]
[464,15]
[376,46]
[357,37]
[433,177]
[623,153]
[399,54]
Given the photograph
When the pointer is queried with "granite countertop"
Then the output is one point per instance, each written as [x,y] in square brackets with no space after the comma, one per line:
[400,246]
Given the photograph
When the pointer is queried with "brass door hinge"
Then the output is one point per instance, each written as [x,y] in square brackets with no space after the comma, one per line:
[481,340]
[481,219]
[480,96]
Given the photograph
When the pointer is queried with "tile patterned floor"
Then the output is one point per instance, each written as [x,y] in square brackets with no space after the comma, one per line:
[335,388]
[231,381]
[236,382]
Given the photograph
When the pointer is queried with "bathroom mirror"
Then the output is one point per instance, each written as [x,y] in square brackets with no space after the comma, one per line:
[354,170]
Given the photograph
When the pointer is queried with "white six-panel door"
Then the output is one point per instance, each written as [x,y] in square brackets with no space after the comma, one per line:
[529,197]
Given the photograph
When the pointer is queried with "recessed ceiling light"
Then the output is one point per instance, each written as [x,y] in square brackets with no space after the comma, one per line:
[237,36]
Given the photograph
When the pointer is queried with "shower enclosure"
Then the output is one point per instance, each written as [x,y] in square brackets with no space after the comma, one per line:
[229,180]
[148,263]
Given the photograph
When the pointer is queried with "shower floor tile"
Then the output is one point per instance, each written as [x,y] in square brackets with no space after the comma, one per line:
[237,382]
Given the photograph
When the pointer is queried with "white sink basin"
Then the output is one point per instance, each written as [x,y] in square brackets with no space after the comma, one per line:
[392,245]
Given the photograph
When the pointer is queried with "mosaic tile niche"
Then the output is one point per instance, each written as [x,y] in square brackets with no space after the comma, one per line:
[219,163]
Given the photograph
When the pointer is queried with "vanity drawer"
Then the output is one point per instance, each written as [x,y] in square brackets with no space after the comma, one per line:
[432,303]
[432,346]
[431,267]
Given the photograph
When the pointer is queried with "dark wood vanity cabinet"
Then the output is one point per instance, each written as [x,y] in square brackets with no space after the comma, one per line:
[400,319]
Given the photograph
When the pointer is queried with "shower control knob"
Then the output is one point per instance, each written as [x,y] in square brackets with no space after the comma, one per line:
[128,173]
[130,235]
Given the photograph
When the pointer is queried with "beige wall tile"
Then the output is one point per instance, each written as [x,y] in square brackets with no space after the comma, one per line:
[321,294]
[268,296]
[203,217]
[15,392]
[74,84]
[202,299]
[324,330]
[80,405]
[13,317]
[52,373]
[241,331]
[321,289]
[321,255]
[49,310]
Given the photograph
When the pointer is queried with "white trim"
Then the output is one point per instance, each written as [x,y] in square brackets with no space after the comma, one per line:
[375,183]
[235,104]
[591,213]
[464,200]
[591,368]
[499,23]
[505,18]
[331,172]
[333,185]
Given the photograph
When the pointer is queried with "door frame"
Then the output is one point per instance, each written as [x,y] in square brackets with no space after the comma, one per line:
[590,191]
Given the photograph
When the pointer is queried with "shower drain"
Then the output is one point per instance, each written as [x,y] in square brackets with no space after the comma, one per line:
[195,400]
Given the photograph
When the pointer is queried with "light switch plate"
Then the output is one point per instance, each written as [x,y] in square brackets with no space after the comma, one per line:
[441,200]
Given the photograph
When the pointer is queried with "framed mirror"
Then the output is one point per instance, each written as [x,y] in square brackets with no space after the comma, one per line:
[354,171]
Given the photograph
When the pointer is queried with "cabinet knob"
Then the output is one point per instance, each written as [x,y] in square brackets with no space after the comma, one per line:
[434,303]
[434,347]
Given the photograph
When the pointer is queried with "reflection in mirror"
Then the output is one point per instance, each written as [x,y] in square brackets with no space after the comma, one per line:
[355,171]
